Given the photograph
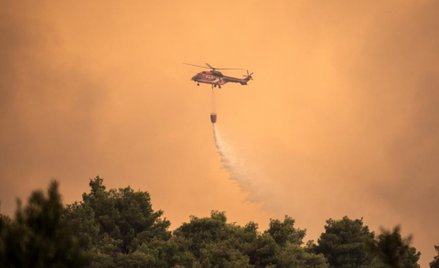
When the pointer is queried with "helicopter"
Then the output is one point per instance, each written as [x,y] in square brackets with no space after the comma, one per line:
[216,78]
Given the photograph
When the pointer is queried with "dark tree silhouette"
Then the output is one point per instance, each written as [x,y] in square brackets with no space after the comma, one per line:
[435,262]
[345,243]
[36,237]
[119,228]
[395,251]
[115,223]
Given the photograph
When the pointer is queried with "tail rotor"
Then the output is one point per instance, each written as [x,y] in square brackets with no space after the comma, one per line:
[248,76]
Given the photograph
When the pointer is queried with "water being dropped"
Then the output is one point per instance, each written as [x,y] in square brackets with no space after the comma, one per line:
[237,170]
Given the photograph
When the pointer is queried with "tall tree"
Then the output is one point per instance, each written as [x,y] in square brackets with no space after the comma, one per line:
[215,243]
[284,231]
[114,223]
[435,262]
[395,251]
[280,246]
[345,243]
[36,237]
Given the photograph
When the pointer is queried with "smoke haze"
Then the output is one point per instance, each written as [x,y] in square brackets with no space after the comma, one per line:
[341,119]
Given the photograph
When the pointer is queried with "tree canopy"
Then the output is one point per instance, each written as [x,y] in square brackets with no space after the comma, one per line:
[345,243]
[435,262]
[395,251]
[116,224]
[36,237]
[120,228]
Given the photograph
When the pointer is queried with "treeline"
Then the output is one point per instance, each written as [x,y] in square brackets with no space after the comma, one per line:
[119,228]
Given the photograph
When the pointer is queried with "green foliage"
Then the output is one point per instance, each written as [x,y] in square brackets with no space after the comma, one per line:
[345,243]
[119,228]
[435,262]
[36,237]
[81,219]
[4,226]
[125,215]
[283,232]
[294,256]
[214,243]
[115,224]
[263,251]
[395,251]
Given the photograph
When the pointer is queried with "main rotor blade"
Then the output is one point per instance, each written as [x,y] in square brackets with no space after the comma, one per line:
[214,68]
[229,69]
[211,67]
[196,65]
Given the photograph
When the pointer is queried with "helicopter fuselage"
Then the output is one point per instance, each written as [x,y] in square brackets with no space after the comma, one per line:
[217,79]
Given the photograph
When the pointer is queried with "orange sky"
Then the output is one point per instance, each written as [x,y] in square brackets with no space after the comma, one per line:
[341,119]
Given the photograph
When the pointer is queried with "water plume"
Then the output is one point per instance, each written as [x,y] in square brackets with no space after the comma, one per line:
[226,156]
[247,179]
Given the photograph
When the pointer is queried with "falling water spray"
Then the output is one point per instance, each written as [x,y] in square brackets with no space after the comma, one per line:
[225,154]
[248,180]
[238,171]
